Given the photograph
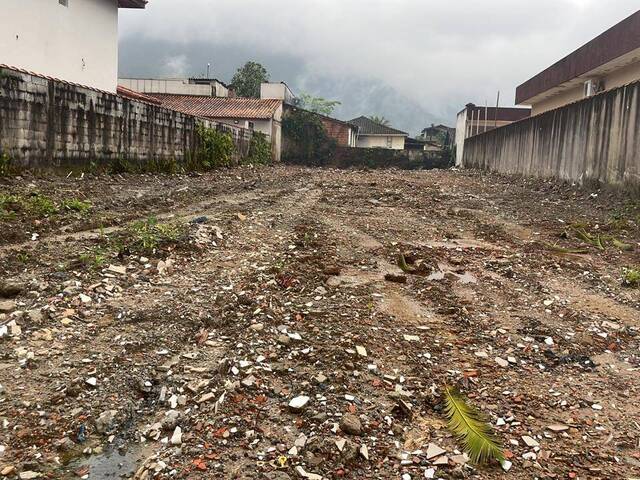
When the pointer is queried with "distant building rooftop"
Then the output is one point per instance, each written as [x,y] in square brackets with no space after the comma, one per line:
[367,126]
[617,47]
[216,107]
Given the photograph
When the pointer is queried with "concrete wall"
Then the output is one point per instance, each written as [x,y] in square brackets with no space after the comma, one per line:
[380,141]
[278,91]
[77,43]
[46,123]
[597,138]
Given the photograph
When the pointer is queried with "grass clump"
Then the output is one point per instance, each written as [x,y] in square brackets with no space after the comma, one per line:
[631,277]
[40,205]
[75,205]
[259,150]
[149,235]
[5,165]
[95,258]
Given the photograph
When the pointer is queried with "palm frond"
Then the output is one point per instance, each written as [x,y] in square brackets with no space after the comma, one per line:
[402,263]
[472,430]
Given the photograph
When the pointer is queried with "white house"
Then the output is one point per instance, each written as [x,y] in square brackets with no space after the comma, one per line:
[376,135]
[72,40]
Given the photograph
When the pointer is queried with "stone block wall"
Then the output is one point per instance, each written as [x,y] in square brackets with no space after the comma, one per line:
[47,123]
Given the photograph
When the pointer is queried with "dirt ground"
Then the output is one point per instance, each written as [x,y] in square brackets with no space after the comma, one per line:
[161,326]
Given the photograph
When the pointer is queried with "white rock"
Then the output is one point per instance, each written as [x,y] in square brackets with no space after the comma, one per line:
[596,406]
[176,438]
[93,381]
[502,362]
[434,451]
[28,475]
[548,341]
[361,351]
[430,473]
[309,476]
[506,465]
[558,428]
[340,443]
[85,298]
[530,442]
[298,403]
[364,451]
[412,338]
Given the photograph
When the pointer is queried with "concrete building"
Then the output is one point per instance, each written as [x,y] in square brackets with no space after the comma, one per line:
[375,135]
[609,61]
[73,40]
[277,91]
[206,87]
[474,120]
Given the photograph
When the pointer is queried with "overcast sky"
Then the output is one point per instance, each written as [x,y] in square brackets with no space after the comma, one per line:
[416,62]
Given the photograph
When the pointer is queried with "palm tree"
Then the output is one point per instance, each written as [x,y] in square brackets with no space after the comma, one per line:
[380,120]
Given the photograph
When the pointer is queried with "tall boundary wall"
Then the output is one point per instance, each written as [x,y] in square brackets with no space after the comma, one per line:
[595,139]
[48,123]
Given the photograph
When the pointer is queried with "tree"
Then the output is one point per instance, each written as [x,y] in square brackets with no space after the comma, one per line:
[380,120]
[317,104]
[248,78]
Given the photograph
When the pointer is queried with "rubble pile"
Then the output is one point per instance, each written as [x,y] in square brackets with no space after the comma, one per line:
[268,330]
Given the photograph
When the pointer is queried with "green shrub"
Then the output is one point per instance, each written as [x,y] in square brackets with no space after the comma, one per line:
[120,165]
[306,139]
[214,149]
[259,150]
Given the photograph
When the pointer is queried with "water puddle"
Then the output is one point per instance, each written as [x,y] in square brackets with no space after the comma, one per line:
[114,463]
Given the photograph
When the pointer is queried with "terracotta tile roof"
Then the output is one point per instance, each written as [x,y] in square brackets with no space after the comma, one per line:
[127,93]
[213,107]
[368,127]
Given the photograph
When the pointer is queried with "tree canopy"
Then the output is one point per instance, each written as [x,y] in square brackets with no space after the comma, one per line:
[248,78]
[317,104]
[380,120]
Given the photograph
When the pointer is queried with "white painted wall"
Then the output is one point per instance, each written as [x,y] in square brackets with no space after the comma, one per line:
[174,86]
[461,135]
[278,91]
[381,141]
[78,43]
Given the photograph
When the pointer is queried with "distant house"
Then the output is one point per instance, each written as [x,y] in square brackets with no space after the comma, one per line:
[262,115]
[72,40]
[474,120]
[375,135]
[609,61]
[439,134]
[422,145]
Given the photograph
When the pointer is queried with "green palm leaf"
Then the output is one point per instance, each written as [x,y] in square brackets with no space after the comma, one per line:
[471,428]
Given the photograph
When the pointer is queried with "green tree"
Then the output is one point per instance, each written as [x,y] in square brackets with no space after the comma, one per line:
[317,104]
[380,120]
[248,78]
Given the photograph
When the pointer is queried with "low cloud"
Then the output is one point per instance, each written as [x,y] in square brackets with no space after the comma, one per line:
[412,61]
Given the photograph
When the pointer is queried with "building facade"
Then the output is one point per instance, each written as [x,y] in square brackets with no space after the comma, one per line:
[474,120]
[375,135]
[206,87]
[73,40]
[609,61]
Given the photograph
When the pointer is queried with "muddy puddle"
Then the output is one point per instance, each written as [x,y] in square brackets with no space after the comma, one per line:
[112,463]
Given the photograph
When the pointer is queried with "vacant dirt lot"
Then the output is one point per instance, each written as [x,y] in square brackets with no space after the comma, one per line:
[160,326]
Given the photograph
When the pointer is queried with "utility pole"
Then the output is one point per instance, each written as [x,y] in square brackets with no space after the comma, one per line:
[208,70]
[497,106]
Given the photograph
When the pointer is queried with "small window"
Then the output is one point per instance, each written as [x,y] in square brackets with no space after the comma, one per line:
[389,142]
[251,125]
[64,3]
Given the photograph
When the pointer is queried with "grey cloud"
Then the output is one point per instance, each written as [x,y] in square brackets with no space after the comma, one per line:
[414,61]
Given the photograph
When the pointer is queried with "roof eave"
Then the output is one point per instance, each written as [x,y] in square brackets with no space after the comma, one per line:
[132,3]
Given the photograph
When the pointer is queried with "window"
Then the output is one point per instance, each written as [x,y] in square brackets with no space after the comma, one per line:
[251,125]
[389,142]
[64,3]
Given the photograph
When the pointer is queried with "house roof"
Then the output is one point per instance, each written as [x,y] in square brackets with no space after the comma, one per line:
[133,95]
[368,127]
[325,117]
[220,107]
[132,3]
[615,48]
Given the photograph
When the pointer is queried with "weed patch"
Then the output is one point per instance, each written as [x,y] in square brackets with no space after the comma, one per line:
[149,235]
[631,277]
[75,205]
